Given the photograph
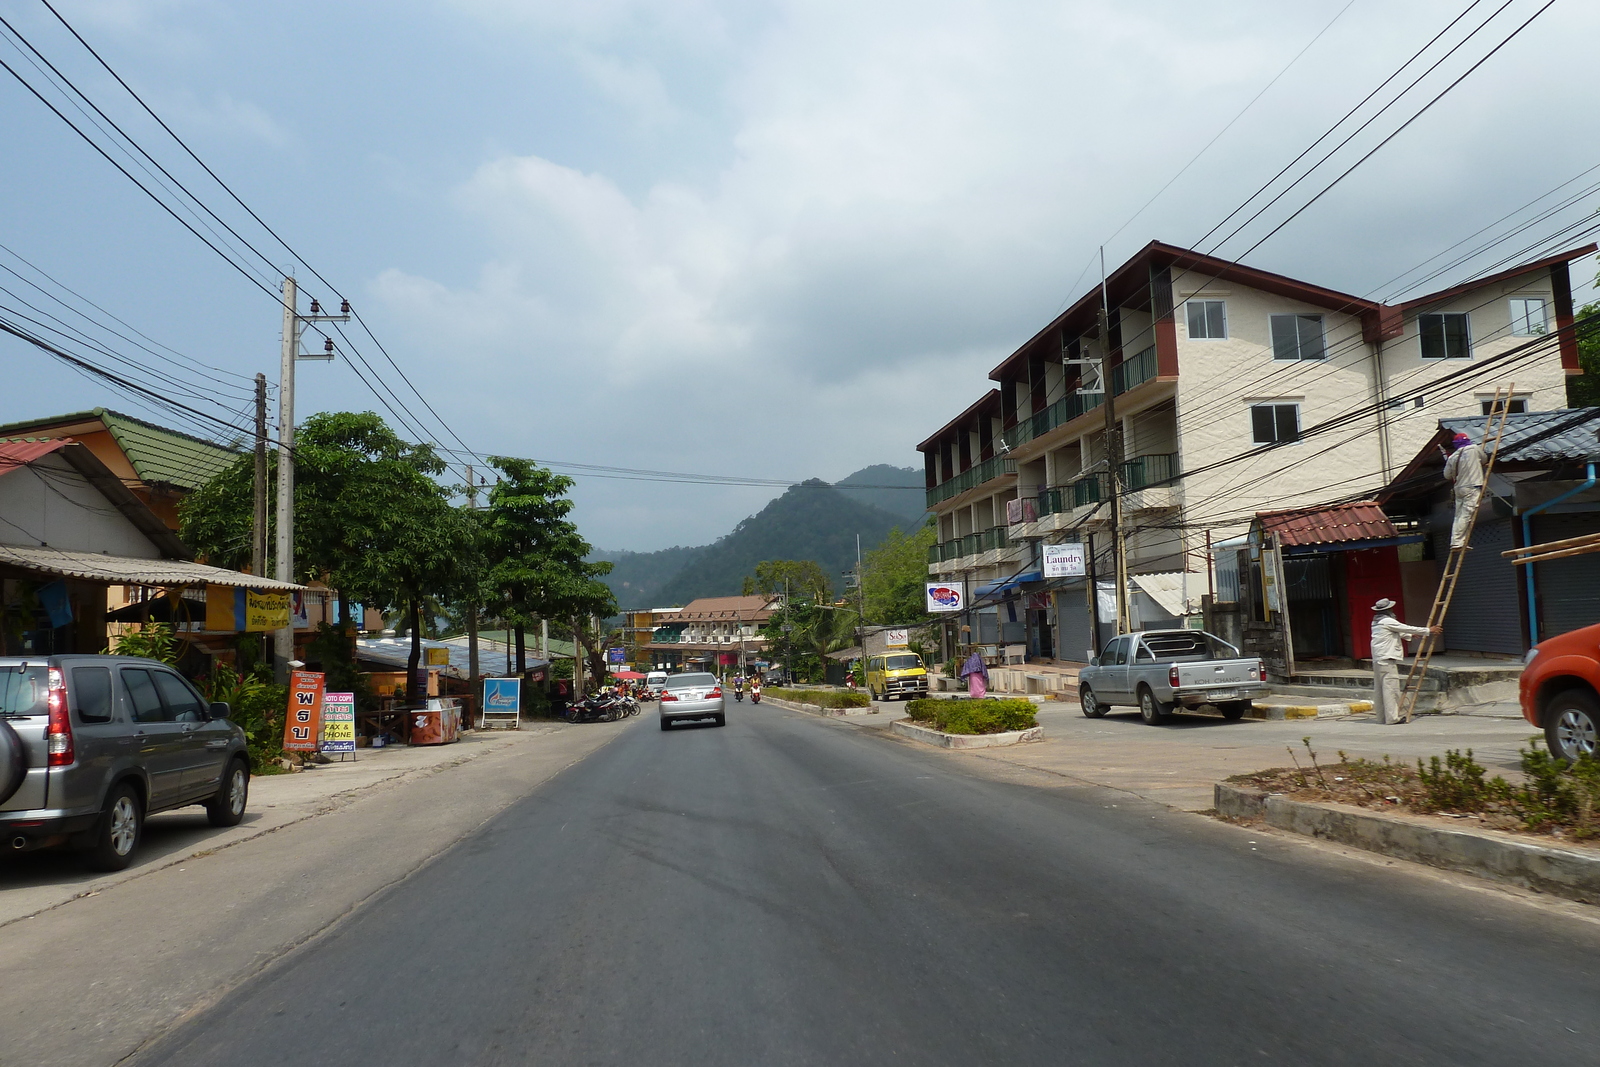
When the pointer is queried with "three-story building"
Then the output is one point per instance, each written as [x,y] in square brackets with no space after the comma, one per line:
[1235,390]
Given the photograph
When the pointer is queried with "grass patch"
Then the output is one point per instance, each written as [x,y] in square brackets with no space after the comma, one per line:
[822,698]
[1557,798]
[988,716]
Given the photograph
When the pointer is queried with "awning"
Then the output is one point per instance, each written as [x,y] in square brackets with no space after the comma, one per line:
[1167,588]
[991,590]
[127,570]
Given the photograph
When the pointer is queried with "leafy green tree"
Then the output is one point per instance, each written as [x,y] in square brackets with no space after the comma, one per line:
[535,559]
[803,578]
[803,630]
[893,577]
[1583,391]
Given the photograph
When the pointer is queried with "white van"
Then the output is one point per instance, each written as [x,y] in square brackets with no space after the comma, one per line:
[655,682]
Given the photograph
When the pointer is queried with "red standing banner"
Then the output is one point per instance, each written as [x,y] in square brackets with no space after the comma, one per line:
[302,726]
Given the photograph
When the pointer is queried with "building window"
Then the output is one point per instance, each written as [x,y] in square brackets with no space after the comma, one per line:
[1444,336]
[1527,316]
[1275,424]
[1208,320]
[1297,337]
[1515,406]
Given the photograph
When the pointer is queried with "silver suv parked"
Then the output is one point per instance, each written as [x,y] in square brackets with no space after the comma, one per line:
[90,745]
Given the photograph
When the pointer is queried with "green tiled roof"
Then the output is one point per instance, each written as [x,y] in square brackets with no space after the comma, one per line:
[158,455]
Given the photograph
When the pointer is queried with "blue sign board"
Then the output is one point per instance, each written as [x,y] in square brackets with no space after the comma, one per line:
[502,699]
[616,655]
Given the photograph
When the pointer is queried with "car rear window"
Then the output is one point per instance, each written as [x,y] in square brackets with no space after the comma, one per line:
[901,663]
[24,690]
[691,681]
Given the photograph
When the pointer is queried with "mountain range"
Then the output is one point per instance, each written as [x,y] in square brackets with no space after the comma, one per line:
[813,520]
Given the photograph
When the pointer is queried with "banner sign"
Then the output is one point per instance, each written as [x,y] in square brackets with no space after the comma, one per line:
[229,610]
[896,638]
[339,723]
[616,655]
[303,723]
[1064,561]
[502,700]
[946,596]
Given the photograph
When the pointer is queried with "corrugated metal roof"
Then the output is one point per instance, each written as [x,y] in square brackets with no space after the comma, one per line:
[1167,589]
[396,652]
[19,452]
[158,455]
[1539,436]
[1361,521]
[126,570]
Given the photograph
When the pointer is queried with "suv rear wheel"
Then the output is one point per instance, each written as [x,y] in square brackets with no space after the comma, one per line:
[117,834]
[1572,724]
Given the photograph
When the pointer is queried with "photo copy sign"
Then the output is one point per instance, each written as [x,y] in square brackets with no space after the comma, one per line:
[339,723]
[1064,561]
[303,723]
[946,596]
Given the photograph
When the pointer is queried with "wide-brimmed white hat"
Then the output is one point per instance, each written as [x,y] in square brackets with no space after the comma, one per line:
[1383,605]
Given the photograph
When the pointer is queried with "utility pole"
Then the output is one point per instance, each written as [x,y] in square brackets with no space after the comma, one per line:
[472,605]
[258,525]
[1119,558]
[294,324]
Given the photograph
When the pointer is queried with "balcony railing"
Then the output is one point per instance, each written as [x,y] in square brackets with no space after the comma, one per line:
[1142,471]
[972,544]
[935,553]
[1061,412]
[951,549]
[1136,370]
[994,537]
[971,478]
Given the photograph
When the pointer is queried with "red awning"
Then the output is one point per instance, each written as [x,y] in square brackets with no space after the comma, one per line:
[1361,521]
[627,676]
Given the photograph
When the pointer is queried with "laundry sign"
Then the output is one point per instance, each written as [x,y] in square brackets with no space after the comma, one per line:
[1064,561]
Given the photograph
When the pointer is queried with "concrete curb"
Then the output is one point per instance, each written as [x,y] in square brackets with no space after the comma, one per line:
[1501,857]
[817,709]
[1310,711]
[929,736]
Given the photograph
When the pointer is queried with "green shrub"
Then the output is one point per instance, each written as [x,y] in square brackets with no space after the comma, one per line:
[822,698]
[256,704]
[153,641]
[1556,794]
[988,716]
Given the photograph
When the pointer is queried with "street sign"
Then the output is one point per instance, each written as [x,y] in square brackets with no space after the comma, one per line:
[339,723]
[502,702]
[1064,561]
[436,657]
[946,596]
[303,722]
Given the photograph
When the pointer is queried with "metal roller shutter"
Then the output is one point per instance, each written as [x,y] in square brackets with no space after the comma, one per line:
[1568,589]
[1074,636]
[1485,613]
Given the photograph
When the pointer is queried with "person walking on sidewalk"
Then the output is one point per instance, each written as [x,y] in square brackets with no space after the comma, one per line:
[976,675]
[1464,468]
[1387,651]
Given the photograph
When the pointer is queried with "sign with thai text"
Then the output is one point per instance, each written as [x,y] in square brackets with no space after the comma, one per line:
[302,725]
[265,611]
[1064,561]
[339,723]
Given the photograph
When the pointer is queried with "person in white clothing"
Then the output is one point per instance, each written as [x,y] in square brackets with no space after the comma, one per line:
[1387,651]
[1464,468]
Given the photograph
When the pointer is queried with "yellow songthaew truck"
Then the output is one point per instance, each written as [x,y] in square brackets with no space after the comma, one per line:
[896,674]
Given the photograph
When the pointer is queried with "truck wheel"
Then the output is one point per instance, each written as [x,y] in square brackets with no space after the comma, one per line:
[1234,710]
[1572,725]
[1151,710]
[1092,708]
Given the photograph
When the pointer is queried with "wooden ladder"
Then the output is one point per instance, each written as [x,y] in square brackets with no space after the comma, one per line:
[1494,427]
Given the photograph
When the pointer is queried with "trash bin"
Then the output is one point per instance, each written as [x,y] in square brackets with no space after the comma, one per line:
[437,724]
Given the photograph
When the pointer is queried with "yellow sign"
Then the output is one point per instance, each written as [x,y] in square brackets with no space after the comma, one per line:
[265,611]
[220,615]
[436,657]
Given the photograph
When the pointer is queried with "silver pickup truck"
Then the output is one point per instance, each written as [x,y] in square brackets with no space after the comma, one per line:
[1160,670]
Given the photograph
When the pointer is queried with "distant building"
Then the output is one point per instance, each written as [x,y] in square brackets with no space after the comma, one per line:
[711,633]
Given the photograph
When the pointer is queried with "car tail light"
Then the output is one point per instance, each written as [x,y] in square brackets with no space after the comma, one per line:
[58,735]
[666,697]
[1172,676]
[715,693]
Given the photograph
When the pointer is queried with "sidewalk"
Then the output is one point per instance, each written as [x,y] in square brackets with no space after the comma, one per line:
[35,881]
[1178,764]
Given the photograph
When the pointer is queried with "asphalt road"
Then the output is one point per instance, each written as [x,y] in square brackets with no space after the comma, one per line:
[789,890]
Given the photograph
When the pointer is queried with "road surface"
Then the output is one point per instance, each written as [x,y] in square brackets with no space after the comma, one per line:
[790,890]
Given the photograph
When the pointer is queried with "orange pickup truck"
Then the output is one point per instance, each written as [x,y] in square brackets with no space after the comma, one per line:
[1560,691]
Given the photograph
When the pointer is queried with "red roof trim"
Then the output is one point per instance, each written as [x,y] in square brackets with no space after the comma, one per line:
[1361,521]
[1525,268]
[20,453]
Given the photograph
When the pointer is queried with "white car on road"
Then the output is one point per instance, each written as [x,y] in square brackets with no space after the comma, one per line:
[692,696]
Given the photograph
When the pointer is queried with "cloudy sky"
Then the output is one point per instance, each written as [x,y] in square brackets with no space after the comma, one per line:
[765,240]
